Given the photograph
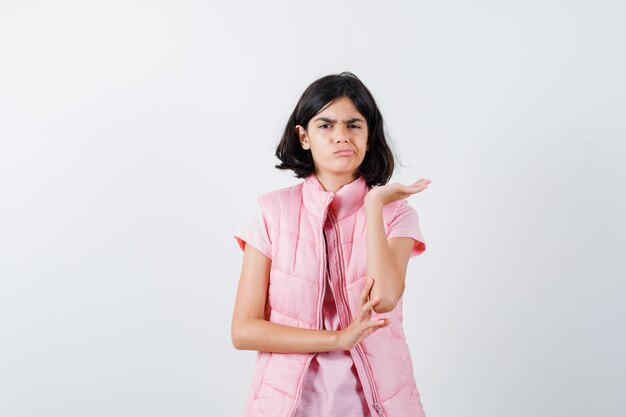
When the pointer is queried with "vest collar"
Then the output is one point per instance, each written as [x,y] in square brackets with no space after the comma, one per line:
[345,201]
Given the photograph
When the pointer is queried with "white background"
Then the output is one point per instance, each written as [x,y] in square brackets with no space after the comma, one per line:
[136,136]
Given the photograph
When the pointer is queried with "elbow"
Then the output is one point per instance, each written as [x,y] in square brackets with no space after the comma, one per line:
[237,337]
[388,300]
[243,333]
[235,340]
[385,305]
[237,344]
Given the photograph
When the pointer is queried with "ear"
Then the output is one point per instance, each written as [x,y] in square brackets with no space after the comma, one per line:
[303,137]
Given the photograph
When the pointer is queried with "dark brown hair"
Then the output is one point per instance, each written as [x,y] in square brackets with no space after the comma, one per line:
[378,165]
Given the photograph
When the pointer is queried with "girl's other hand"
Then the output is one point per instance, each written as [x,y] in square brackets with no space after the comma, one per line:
[361,325]
[389,193]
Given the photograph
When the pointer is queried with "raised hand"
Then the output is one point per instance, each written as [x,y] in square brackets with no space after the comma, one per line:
[388,193]
[361,325]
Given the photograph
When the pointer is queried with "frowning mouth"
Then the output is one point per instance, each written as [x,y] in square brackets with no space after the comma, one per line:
[344,152]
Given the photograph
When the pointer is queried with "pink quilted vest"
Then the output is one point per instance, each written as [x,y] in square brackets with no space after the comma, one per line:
[289,229]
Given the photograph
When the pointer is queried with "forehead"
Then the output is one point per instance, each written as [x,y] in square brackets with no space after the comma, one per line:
[343,107]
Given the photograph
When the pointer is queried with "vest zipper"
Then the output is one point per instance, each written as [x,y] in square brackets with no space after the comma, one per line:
[346,310]
[342,297]
[320,323]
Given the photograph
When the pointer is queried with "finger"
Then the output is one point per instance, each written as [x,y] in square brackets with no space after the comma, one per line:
[366,309]
[366,290]
[417,185]
[367,306]
[422,181]
[368,284]
[384,322]
[364,296]
[378,324]
[411,188]
[378,328]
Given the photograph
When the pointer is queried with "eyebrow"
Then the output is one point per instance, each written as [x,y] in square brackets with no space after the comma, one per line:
[354,119]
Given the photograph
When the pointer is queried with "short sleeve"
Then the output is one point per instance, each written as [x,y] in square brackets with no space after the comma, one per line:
[405,223]
[255,232]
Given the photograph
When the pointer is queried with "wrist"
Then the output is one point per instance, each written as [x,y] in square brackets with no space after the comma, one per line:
[372,203]
[337,340]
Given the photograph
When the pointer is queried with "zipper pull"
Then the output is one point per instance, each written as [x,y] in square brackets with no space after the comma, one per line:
[379,410]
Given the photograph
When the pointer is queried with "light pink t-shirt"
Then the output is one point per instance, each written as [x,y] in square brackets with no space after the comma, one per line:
[332,387]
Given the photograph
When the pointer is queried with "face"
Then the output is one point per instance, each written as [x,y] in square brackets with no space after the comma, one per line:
[337,139]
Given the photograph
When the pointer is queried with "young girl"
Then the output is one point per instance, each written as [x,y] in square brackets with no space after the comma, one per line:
[324,265]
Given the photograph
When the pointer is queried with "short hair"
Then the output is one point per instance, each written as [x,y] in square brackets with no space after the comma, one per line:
[377,166]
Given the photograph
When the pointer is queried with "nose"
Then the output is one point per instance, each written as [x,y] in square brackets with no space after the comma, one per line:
[341,133]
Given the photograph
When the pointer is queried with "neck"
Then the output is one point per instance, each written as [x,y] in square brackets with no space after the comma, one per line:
[333,182]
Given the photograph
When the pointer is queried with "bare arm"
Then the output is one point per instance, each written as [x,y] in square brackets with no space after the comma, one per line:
[386,260]
[250,330]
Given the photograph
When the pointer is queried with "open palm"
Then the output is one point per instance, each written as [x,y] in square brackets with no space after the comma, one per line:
[389,193]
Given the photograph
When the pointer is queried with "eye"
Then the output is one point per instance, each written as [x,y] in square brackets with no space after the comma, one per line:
[357,126]
[325,124]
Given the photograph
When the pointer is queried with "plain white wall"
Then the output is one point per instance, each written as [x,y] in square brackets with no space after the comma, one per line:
[135,137]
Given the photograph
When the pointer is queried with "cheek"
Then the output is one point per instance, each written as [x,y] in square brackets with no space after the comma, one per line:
[318,154]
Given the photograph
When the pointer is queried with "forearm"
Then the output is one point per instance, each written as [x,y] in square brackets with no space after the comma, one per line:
[381,265]
[266,336]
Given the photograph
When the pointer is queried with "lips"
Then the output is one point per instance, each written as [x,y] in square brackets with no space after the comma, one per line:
[344,152]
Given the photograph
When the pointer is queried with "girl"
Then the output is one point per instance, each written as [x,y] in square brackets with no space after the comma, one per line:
[324,264]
